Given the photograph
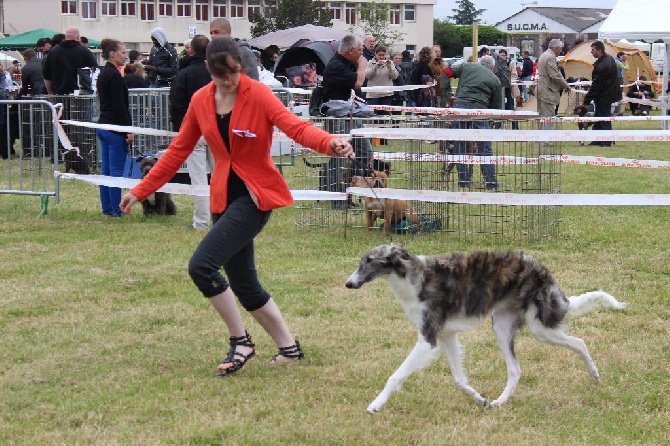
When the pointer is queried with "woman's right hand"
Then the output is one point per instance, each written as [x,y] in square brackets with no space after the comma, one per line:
[127,202]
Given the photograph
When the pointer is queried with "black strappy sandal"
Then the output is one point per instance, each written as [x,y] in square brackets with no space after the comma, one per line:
[233,356]
[293,353]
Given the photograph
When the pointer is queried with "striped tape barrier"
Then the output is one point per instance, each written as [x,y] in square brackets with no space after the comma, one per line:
[516,160]
[187,189]
[432,134]
[515,199]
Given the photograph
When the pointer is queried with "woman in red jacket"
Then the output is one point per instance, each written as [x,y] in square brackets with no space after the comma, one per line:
[236,115]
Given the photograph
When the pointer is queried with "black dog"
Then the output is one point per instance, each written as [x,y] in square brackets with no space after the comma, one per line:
[158,203]
[76,162]
[583,111]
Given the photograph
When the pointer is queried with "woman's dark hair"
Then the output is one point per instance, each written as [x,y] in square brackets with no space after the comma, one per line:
[221,51]
[426,54]
[109,45]
[379,49]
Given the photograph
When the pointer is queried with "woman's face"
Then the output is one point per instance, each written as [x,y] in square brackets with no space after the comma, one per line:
[380,56]
[228,83]
[118,57]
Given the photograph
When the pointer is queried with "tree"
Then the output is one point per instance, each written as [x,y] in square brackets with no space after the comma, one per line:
[375,19]
[452,38]
[289,14]
[466,13]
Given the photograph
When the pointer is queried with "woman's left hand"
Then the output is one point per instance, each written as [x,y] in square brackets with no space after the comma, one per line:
[341,147]
[130,138]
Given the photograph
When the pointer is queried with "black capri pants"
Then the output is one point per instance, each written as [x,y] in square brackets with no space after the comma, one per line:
[230,244]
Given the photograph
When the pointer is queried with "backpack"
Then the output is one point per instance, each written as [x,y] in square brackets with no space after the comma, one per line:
[316,101]
[501,70]
[406,69]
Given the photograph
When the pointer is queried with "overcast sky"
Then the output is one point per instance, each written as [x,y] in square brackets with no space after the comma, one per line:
[498,10]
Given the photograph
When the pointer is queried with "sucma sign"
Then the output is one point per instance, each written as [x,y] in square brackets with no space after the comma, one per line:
[526,27]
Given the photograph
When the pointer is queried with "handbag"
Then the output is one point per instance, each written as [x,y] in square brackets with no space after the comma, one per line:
[343,109]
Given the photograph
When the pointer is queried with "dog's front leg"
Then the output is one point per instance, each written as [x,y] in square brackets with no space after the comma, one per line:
[421,356]
[453,350]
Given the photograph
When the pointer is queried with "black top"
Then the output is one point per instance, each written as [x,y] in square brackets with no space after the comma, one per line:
[236,187]
[134,80]
[113,95]
[192,77]
[62,65]
[164,58]
[32,82]
[339,78]
[527,67]
[605,86]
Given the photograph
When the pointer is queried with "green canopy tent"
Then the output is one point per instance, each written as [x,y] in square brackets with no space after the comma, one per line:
[30,38]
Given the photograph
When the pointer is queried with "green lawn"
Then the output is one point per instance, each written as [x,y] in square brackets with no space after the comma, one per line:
[105,340]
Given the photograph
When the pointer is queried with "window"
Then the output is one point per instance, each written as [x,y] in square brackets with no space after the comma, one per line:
[411,49]
[68,6]
[219,8]
[184,8]
[350,13]
[148,10]
[394,12]
[202,10]
[128,8]
[410,13]
[237,9]
[253,7]
[109,7]
[335,10]
[165,8]
[270,8]
[89,9]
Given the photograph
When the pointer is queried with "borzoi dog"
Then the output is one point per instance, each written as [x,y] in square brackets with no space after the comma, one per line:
[443,296]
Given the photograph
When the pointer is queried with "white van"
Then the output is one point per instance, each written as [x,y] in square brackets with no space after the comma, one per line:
[513,52]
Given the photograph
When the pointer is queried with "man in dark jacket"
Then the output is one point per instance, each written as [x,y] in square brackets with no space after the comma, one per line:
[345,72]
[478,87]
[526,74]
[190,78]
[32,81]
[161,66]
[605,88]
[66,60]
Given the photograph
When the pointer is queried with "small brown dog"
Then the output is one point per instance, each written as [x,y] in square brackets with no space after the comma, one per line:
[158,203]
[388,209]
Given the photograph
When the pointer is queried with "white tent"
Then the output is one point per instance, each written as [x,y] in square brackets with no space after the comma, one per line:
[641,19]
[284,38]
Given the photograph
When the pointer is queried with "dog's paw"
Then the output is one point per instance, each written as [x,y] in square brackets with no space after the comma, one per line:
[496,403]
[375,407]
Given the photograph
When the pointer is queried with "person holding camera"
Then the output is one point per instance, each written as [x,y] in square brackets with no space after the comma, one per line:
[380,72]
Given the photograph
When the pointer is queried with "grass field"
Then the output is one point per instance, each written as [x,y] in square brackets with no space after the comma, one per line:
[105,340]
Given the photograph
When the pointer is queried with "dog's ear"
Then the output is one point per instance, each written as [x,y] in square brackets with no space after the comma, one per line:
[140,158]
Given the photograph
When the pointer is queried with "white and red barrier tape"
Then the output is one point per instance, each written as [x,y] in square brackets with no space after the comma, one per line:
[517,160]
[432,134]
[515,199]
[186,189]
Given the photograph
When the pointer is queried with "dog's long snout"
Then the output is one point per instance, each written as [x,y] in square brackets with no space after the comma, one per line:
[353,282]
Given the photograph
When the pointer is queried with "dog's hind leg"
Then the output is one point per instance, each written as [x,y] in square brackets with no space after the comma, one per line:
[558,337]
[452,348]
[505,324]
[421,356]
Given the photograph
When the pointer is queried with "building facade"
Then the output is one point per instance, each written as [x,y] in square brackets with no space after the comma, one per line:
[531,29]
[132,20]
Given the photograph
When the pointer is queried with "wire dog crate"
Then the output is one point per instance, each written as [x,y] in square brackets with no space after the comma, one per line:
[420,165]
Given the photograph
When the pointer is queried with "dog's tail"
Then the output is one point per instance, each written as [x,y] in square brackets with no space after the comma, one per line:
[591,300]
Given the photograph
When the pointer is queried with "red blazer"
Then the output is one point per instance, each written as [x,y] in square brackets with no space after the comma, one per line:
[256,111]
